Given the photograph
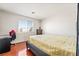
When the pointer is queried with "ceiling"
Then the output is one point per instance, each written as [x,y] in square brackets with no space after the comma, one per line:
[39,10]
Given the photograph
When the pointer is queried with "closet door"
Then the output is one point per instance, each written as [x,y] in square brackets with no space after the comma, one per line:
[77,46]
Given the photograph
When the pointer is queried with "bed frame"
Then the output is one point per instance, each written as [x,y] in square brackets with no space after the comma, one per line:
[36,51]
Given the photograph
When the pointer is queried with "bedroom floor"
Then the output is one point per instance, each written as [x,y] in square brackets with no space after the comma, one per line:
[18,49]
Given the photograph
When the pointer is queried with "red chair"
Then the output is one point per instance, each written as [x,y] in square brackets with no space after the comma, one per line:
[12,33]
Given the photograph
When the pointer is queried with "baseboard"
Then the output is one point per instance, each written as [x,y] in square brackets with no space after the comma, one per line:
[19,42]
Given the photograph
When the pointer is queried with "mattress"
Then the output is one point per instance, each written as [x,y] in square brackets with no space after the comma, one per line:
[54,44]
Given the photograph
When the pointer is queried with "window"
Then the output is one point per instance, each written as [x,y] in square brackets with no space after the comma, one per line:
[24,25]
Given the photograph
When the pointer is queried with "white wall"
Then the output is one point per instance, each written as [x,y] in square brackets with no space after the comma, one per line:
[63,22]
[9,21]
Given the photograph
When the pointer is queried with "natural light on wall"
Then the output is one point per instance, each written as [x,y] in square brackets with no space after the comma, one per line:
[24,26]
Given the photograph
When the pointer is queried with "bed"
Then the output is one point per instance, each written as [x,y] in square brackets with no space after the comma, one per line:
[4,43]
[52,45]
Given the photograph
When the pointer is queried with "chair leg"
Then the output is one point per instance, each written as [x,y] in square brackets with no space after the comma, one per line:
[13,44]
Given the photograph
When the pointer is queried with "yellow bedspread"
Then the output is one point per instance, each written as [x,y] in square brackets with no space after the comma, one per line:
[54,44]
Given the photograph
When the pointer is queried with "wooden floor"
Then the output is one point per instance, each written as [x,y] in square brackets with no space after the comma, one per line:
[19,49]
